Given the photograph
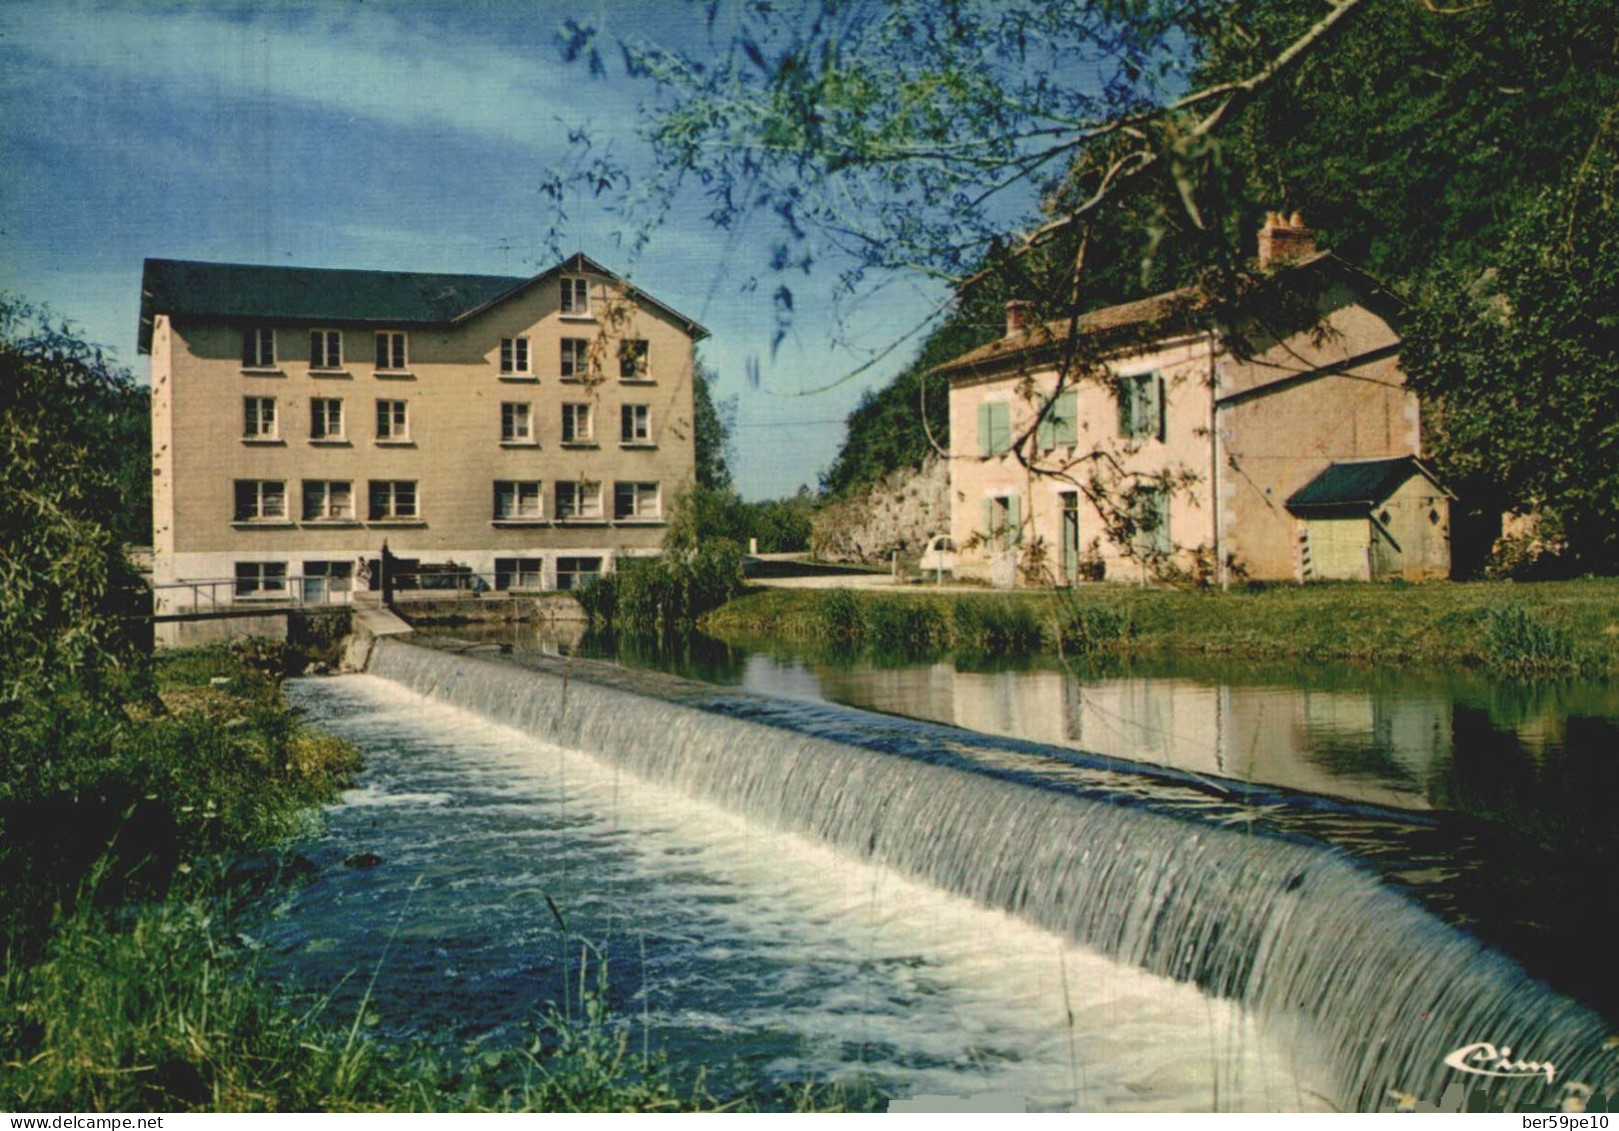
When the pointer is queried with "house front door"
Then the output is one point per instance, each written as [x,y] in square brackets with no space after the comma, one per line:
[1070,536]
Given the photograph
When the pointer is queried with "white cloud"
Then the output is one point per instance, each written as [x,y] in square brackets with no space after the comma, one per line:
[355,61]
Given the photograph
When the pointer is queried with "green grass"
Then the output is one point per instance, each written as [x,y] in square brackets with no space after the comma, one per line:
[1431,624]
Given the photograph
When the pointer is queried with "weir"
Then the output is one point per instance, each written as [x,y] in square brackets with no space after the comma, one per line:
[1203,881]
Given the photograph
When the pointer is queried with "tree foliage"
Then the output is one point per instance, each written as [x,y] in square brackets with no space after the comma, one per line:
[712,422]
[1520,369]
[67,591]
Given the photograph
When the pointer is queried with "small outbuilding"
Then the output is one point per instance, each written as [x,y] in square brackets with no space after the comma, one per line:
[1373,520]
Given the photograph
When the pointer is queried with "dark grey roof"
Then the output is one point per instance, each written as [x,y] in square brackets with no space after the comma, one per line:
[318,295]
[1356,486]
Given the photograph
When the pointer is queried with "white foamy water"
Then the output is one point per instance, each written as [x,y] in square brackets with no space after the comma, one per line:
[771,954]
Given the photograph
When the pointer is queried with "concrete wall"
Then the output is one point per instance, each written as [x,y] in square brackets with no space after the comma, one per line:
[453,390]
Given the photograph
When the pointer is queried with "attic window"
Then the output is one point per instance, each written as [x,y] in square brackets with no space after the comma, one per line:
[575,296]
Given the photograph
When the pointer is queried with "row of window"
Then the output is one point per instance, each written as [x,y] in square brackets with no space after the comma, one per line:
[1002,523]
[324,581]
[260,421]
[393,356]
[1141,417]
[392,500]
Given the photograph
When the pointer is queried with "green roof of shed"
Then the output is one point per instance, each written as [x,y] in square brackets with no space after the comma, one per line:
[328,296]
[1357,485]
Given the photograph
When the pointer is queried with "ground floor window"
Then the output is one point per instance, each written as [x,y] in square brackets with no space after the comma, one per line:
[327,582]
[574,572]
[260,580]
[519,573]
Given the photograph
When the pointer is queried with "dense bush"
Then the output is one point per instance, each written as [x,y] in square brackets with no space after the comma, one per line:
[1518,641]
[905,626]
[664,597]
[1084,627]
[998,625]
[840,616]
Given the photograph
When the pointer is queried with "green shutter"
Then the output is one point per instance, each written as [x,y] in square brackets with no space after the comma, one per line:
[984,447]
[1065,428]
[1155,416]
[1161,540]
[1000,428]
[1014,519]
[1125,392]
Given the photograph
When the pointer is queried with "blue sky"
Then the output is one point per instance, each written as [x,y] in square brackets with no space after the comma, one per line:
[408,136]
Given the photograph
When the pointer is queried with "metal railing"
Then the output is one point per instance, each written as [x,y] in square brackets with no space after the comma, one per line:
[222,594]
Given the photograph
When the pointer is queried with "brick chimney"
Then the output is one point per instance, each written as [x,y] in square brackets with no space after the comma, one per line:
[1019,317]
[1284,239]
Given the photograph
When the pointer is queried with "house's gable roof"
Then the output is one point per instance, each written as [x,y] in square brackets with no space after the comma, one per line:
[1356,486]
[327,296]
[1150,320]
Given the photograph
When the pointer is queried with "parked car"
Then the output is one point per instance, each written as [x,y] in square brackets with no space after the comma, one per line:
[939,558]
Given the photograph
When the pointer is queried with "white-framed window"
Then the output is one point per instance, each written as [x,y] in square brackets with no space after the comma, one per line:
[393,421]
[391,355]
[258,347]
[328,500]
[637,502]
[518,499]
[393,499]
[572,573]
[516,422]
[325,418]
[514,355]
[519,573]
[635,423]
[576,424]
[328,582]
[575,295]
[325,349]
[258,418]
[579,499]
[633,354]
[575,359]
[261,500]
[260,580]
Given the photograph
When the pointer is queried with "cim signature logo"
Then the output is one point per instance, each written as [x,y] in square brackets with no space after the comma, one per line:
[1484,1059]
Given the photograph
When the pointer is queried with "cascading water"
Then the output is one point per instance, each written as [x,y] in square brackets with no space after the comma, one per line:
[1294,932]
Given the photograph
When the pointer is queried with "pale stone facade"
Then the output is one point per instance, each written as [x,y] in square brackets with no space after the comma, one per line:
[528,430]
[1231,437]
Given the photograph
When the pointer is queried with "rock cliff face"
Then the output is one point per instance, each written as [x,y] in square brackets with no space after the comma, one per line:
[899,512]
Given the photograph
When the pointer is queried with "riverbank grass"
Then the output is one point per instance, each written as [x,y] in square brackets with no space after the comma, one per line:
[1523,629]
